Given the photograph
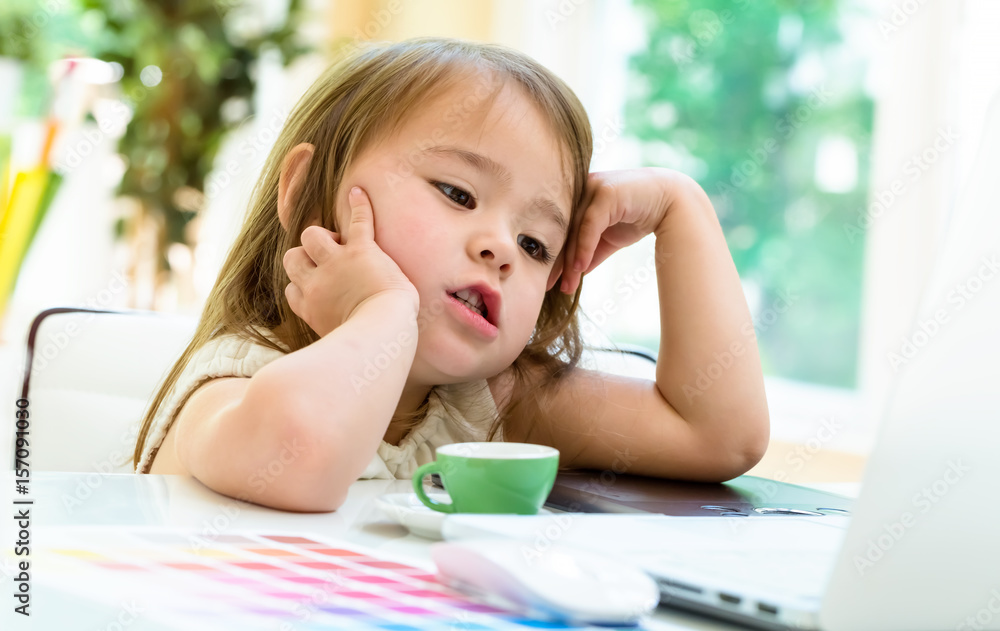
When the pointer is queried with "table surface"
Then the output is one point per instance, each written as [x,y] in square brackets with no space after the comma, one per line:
[79,499]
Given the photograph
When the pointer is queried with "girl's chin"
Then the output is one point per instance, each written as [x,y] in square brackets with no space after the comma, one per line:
[454,363]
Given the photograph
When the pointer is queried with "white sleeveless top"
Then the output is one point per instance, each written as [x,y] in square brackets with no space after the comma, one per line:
[456,413]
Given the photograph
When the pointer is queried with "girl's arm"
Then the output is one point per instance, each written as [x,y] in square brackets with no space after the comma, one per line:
[708,366]
[305,426]
[309,423]
[683,425]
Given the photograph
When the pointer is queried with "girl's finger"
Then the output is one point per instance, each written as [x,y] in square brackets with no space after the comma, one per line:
[555,274]
[567,253]
[294,297]
[603,251]
[318,244]
[591,229]
[362,226]
[572,240]
[297,263]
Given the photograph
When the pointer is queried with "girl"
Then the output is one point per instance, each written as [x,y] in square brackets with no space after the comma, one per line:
[394,289]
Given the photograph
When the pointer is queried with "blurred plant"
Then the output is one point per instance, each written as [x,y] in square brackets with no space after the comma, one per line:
[762,103]
[188,78]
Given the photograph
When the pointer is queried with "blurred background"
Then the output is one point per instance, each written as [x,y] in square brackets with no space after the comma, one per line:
[833,137]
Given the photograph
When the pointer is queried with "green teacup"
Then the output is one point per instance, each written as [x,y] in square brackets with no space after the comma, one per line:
[491,477]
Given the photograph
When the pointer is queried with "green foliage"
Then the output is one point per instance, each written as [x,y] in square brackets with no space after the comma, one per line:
[177,124]
[37,33]
[725,94]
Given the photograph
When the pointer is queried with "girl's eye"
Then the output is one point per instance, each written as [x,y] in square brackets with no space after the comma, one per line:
[456,194]
[535,249]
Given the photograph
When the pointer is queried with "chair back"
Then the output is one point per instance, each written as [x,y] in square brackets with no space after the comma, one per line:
[628,360]
[89,375]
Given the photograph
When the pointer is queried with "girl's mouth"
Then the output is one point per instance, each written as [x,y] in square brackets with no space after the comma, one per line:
[480,298]
[472,316]
[479,309]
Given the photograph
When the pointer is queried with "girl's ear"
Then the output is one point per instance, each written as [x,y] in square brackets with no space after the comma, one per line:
[294,169]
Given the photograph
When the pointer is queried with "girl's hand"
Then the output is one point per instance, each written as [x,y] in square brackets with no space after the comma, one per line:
[620,207]
[331,277]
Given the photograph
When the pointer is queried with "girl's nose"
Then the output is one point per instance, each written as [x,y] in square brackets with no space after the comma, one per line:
[495,247]
[502,266]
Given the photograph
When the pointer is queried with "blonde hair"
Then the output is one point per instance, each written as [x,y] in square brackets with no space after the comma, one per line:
[360,99]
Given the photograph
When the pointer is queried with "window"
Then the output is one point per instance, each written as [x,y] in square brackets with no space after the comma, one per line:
[764,105]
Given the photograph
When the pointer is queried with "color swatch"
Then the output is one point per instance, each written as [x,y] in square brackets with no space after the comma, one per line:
[257,580]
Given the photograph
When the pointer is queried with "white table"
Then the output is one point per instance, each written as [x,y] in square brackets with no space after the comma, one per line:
[78,499]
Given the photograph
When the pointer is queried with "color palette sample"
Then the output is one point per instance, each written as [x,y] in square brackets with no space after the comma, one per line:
[255,580]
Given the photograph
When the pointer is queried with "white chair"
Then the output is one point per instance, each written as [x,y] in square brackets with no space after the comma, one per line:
[92,374]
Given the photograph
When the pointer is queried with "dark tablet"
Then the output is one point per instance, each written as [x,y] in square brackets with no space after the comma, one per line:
[585,491]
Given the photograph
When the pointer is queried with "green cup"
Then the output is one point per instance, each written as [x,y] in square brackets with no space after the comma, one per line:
[491,477]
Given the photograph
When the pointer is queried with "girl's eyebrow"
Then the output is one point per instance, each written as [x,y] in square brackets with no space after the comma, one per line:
[484,164]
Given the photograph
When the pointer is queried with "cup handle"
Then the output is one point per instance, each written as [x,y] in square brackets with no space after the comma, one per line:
[418,486]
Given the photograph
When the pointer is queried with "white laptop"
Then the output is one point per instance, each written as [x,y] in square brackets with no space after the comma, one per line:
[921,550]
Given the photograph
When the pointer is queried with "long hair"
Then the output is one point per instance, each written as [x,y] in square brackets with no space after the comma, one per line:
[363,97]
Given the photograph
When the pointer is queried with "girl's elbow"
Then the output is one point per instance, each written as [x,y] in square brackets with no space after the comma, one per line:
[300,487]
[732,466]
[750,445]
[302,474]
[309,501]
[740,450]
[321,481]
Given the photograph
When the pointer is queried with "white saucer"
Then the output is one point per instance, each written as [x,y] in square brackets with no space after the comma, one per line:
[408,510]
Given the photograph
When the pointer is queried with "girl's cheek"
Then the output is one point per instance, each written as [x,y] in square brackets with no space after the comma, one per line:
[342,212]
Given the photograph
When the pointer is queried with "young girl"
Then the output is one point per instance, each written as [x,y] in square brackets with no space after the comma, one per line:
[408,276]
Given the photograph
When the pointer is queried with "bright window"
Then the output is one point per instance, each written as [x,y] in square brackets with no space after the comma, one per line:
[765,106]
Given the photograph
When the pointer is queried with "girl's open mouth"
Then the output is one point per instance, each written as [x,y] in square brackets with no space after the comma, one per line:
[472,315]
[474,302]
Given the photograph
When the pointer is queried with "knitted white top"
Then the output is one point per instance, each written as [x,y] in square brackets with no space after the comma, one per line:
[456,413]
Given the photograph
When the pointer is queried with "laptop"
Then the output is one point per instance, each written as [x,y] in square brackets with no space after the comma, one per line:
[920,548]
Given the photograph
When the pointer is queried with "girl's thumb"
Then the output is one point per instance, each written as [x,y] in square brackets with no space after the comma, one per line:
[362,221]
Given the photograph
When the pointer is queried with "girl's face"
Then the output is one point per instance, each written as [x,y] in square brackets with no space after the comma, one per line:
[469,194]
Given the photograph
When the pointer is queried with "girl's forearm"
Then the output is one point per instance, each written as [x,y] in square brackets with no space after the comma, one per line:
[709,365]
[336,397]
